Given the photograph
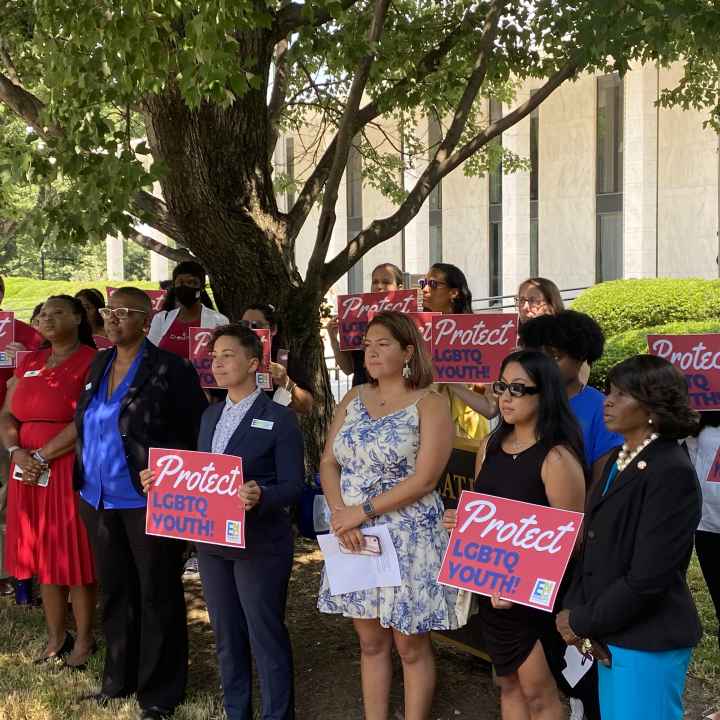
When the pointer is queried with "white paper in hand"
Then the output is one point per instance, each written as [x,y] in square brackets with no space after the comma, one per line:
[577,665]
[349,573]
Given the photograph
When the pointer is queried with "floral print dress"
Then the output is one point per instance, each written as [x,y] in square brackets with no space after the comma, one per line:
[375,455]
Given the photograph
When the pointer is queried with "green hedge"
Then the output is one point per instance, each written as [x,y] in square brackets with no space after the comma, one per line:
[623,305]
[634,342]
[23,294]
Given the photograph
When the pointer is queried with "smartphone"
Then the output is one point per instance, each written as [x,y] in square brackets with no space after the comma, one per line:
[43,480]
[282,357]
[371,546]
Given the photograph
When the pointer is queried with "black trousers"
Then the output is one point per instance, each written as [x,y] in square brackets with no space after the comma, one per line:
[143,603]
[707,547]
[246,599]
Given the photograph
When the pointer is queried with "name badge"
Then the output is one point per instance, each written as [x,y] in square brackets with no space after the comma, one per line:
[262,424]
[32,373]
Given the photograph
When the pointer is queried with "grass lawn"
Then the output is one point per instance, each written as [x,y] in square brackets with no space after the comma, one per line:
[326,666]
[23,294]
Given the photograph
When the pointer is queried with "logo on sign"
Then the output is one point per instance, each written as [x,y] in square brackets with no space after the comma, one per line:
[233,532]
[542,593]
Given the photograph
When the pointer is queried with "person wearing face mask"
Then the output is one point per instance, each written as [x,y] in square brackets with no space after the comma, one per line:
[445,290]
[385,278]
[187,305]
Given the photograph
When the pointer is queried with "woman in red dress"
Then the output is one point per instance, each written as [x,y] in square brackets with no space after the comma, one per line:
[45,536]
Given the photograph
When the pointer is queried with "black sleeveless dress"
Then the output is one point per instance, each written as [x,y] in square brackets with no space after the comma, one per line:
[510,635]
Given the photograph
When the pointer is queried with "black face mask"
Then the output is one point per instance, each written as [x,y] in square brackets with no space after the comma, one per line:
[186,295]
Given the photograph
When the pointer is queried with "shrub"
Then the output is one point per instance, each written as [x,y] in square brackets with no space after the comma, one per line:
[634,342]
[623,305]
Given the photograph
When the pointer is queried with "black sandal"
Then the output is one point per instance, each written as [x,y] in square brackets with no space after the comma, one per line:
[65,649]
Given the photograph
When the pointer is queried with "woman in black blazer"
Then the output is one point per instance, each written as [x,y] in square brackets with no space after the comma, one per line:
[629,600]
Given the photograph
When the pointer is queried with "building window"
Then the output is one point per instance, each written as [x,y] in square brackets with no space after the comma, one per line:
[353,181]
[290,172]
[534,176]
[609,179]
[495,216]
[435,198]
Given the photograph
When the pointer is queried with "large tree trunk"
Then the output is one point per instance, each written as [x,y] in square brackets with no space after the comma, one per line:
[218,190]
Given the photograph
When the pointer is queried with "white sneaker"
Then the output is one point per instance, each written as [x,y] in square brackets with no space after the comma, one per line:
[577,710]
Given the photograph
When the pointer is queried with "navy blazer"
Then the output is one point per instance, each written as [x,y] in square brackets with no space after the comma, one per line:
[162,408]
[629,587]
[274,459]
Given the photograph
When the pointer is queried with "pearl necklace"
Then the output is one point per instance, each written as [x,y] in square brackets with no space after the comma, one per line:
[624,458]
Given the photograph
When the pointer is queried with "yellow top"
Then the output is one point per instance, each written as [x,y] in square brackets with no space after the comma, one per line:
[468,423]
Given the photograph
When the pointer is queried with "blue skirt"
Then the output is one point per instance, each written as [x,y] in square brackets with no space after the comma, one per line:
[643,685]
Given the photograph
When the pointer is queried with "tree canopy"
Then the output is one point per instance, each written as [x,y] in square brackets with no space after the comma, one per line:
[103,84]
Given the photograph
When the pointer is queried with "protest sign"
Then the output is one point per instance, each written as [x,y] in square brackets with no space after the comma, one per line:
[157,298]
[201,359]
[714,472]
[514,549]
[7,337]
[353,311]
[698,359]
[101,342]
[470,348]
[194,497]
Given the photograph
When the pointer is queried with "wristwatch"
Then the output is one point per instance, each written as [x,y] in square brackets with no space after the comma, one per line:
[369,509]
[37,455]
[12,449]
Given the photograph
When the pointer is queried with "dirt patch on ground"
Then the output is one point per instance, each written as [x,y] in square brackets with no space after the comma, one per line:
[327,668]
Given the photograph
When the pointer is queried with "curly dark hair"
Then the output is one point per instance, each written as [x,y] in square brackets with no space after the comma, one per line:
[573,333]
[661,388]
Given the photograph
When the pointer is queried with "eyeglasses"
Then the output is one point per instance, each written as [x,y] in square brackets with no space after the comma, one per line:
[532,302]
[121,313]
[433,284]
[515,389]
[255,324]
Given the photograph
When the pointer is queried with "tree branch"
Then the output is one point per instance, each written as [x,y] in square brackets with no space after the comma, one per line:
[427,64]
[152,211]
[26,106]
[380,230]
[145,241]
[294,16]
[279,91]
[343,142]
[8,63]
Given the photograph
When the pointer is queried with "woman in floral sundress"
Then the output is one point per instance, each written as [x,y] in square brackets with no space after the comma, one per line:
[389,443]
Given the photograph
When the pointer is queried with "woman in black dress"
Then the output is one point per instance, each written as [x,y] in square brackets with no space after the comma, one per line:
[536,456]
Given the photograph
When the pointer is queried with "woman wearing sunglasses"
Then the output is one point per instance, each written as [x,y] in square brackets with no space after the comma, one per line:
[293,386]
[445,290]
[535,455]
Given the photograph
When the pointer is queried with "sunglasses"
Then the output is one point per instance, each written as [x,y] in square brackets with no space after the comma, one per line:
[432,284]
[515,389]
[121,313]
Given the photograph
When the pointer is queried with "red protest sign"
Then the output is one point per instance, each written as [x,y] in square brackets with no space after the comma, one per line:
[353,311]
[194,497]
[713,475]
[7,337]
[470,348]
[101,342]
[517,550]
[698,359]
[200,356]
[201,359]
[157,298]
